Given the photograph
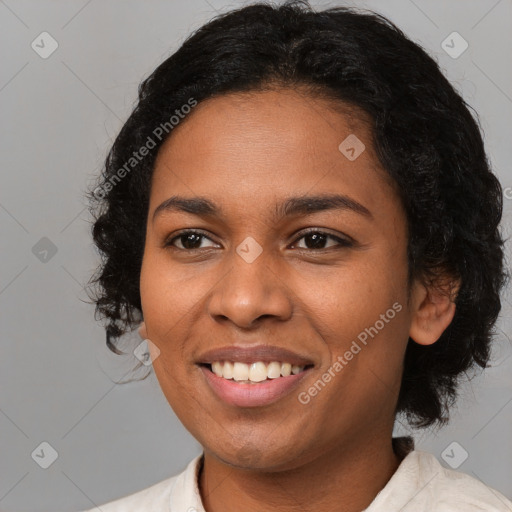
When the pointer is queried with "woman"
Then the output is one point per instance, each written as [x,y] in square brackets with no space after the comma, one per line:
[301,213]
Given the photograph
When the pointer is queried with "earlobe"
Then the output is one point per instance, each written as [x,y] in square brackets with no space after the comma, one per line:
[434,309]
[142,331]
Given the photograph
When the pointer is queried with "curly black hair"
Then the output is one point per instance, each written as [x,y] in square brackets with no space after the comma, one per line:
[424,136]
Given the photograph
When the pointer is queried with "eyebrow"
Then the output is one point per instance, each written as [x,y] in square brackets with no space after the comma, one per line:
[302,205]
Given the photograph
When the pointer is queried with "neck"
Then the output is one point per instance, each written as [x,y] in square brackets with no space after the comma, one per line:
[343,479]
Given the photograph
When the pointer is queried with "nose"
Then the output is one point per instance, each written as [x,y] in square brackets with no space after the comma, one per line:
[249,292]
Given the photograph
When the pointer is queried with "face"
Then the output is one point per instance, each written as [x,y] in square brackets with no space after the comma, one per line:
[319,279]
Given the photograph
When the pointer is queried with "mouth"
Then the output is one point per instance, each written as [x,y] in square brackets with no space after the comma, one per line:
[255,372]
[253,384]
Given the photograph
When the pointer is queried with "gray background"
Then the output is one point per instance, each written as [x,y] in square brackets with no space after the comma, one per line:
[58,118]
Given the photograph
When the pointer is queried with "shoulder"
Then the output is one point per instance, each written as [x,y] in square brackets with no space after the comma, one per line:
[451,489]
[422,484]
[155,497]
[164,495]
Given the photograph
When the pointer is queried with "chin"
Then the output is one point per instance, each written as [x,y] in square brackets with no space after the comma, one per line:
[258,456]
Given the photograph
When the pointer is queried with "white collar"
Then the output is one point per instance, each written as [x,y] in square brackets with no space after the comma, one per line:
[419,483]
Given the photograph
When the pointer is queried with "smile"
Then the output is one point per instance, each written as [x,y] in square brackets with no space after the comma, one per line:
[252,385]
[254,372]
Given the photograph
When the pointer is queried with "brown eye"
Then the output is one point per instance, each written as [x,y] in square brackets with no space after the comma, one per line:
[315,240]
[189,240]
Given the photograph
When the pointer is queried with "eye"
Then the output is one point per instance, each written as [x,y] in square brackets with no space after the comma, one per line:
[189,240]
[315,240]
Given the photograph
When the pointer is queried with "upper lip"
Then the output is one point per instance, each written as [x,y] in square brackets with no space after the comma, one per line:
[255,353]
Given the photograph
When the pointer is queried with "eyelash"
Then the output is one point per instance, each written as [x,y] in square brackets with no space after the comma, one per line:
[342,243]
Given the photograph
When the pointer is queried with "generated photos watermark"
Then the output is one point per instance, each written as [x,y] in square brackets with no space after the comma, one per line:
[159,133]
[304,397]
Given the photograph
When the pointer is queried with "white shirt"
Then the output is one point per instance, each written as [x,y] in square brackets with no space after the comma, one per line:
[420,484]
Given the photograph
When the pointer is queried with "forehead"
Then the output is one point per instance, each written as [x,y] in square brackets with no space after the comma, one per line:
[250,148]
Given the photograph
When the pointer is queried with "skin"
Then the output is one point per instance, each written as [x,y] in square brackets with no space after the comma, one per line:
[247,152]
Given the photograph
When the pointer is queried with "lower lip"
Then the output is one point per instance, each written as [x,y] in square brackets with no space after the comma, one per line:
[252,395]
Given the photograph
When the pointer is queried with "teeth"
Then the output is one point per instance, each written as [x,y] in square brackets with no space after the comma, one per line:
[274,370]
[226,370]
[255,372]
[286,369]
[240,371]
[217,368]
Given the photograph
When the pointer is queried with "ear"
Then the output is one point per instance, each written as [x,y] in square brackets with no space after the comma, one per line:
[433,309]
[142,331]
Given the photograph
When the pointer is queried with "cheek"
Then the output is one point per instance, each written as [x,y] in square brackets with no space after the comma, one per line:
[345,302]
[167,297]
[370,321]
[165,314]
